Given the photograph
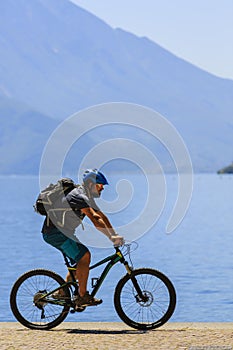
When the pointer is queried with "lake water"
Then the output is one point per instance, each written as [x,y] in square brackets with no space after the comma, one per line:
[197,256]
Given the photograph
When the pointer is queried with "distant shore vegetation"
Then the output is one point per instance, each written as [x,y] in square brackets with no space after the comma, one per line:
[226,170]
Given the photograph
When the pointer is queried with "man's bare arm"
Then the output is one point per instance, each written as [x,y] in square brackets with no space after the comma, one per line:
[102,224]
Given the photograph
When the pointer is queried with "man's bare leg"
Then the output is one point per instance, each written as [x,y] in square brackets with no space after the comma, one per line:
[82,273]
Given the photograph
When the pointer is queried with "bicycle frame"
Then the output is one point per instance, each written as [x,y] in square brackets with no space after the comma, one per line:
[111,259]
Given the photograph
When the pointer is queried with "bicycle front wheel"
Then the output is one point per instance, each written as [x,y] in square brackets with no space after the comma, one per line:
[145,299]
[29,305]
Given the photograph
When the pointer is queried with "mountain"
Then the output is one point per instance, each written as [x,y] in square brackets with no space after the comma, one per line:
[23,135]
[56,58]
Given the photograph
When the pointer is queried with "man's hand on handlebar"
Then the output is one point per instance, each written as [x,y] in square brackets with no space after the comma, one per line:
[117,241]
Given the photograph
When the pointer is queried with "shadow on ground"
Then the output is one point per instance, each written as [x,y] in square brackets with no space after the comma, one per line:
[100,331]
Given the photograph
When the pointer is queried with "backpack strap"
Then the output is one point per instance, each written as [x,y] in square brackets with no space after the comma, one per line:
[64,211]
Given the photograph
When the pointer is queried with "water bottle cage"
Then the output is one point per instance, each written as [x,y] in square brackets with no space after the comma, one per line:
[94,281]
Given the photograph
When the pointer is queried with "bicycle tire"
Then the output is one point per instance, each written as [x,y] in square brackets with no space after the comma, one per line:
[149,314]
[25,293]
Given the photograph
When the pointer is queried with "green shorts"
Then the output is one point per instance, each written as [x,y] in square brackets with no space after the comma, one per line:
[73,250]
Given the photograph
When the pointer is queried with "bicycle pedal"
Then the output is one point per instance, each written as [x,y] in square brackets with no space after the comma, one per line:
[89,304]
[86,305]
[79,309]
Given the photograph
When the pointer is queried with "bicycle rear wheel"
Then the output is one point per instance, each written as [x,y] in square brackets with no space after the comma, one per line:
[156,304]
[27,302]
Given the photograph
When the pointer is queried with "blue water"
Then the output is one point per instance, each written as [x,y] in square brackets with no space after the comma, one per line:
[197,257]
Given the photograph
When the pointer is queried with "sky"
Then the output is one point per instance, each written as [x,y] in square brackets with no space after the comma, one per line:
[199,31]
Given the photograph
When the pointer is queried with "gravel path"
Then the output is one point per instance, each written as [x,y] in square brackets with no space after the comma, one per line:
[114,336]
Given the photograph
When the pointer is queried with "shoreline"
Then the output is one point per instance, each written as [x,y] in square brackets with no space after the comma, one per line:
[117,335]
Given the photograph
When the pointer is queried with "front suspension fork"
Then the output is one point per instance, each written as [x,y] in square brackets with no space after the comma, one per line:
[140,296]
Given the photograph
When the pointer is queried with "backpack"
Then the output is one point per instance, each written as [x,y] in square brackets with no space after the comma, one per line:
[51,194]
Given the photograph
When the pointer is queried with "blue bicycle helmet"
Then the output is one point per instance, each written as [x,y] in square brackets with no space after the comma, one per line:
[95,176]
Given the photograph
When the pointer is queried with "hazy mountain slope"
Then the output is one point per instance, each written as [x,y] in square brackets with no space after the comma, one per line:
[57,58]
[23,135]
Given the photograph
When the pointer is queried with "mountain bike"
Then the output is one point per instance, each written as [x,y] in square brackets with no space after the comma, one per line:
[144,298]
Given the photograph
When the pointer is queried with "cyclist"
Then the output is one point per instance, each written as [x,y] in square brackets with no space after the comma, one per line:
[82,202]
